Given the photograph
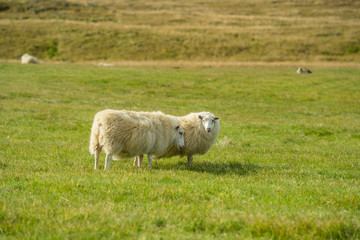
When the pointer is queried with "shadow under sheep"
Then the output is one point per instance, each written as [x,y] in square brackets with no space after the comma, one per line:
[214,168]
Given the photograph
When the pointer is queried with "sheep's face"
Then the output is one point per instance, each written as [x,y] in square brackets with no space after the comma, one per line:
[208,122]
[180,137]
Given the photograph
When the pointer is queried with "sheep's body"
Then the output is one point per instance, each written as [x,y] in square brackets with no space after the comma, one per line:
[128,134]
[158,147]
[28,59]
[159,122]
[198,139]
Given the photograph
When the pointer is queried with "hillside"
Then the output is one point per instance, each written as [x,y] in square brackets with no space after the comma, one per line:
[197,30]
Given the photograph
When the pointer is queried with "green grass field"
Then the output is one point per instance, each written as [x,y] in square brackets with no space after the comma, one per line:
[285,165]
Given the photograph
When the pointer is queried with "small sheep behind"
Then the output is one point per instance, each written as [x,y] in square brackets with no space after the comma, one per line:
[28,59]
[302,70]
[128,134]
[200,132]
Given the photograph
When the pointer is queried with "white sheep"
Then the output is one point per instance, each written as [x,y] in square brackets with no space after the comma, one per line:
[26,59]
[200,132]
[128,134]
[102,64]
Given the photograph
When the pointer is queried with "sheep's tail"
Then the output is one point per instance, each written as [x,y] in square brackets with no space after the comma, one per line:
[94,137]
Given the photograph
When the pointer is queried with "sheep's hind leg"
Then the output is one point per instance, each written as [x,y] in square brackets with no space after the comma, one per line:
[190,158]
[97,155]
[140,160]
[149,158]
[107,161]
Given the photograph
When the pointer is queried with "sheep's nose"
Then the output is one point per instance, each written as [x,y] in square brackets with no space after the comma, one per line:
[182,146]
[208,129]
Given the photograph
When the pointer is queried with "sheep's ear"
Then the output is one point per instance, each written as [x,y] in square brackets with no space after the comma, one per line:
[177,127]
[216,118]
[200,117]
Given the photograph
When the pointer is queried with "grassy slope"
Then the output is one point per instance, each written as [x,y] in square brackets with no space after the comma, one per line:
[286,164]
[259,30]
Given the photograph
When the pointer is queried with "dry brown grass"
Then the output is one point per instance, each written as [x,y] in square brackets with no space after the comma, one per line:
[182,30]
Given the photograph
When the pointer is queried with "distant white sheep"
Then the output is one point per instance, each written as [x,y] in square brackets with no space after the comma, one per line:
[128,134]
[302,70]
[28,59]
[101,64]
[200,133]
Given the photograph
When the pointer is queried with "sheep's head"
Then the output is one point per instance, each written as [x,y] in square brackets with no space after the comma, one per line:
[180,137]
[208,122]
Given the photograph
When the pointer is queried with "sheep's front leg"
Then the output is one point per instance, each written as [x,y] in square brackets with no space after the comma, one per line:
[136,161]
[97,155]
[149,158]
[190,158]
[107,161]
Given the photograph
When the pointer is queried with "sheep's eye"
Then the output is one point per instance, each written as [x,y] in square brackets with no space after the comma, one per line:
[213,121]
